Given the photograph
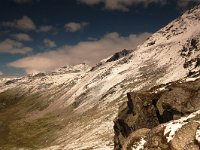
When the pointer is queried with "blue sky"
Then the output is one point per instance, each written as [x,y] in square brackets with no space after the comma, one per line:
[42,35]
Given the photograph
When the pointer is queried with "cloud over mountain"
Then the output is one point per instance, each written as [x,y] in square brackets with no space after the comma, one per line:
[89,52]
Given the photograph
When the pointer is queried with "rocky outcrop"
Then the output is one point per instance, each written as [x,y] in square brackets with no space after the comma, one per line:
[145,118]
[119,55]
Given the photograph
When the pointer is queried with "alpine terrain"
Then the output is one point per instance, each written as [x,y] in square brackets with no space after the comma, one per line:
[73,107]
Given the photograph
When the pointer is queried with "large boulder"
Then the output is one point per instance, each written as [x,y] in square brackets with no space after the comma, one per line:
[146,116]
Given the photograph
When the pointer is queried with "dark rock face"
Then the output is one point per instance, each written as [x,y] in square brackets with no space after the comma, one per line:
[192,46]
[146,114]
[139,113]
[119,55]
[40,75]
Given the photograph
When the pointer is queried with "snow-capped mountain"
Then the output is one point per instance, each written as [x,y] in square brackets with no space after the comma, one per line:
[74,107]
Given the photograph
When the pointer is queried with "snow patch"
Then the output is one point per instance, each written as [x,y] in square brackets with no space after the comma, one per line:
[191,79]
[197,136]
[171,128]
[175,125]
[139,145]
[160,89]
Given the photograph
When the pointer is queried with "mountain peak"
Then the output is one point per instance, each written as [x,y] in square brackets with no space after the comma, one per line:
[79,67]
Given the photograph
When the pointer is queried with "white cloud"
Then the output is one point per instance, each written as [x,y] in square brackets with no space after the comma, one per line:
[1,73]
[75,26]
[49,43]
[90,52]
[13,47]
[25,23]
[22,37]
[123,5]
[45,28]
[120,4]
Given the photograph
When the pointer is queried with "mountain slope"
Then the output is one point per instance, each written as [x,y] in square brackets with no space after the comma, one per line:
[74,107]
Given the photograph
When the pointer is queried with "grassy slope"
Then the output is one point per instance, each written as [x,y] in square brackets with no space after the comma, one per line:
[15,130]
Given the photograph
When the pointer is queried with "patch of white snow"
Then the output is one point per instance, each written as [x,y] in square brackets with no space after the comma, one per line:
[139,145]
